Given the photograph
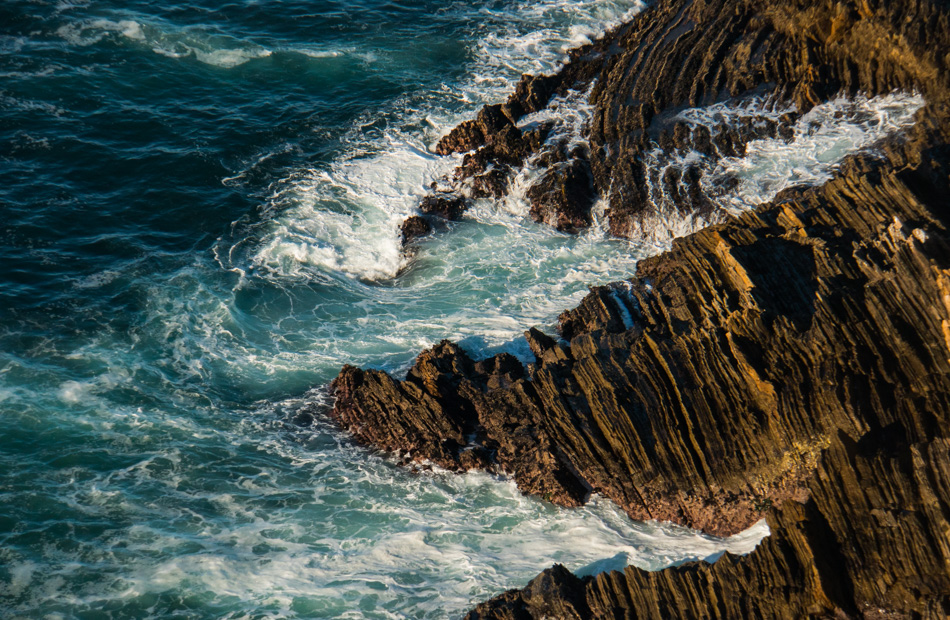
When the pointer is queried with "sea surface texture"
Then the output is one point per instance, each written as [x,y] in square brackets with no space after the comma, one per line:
[199,214]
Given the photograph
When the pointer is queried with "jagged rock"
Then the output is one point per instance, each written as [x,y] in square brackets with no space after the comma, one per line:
[414,227]
[681,53]
[871,541]
[555,593]
[792,362]
[493,183]
[447,206]
[469,135]
[702,52]
[531,94]
[448,406]
[563,197]
[808,316]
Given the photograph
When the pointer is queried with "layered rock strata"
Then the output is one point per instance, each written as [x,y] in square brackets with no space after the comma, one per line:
[792,362]
[688,53]
[884,556]
[707,387]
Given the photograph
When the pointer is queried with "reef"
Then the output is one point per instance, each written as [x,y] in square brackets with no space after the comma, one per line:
[792,362]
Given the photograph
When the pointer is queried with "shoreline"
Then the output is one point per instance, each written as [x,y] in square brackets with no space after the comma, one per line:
[761,367]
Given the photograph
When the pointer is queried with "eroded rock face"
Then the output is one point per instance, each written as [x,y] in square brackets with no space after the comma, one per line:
[442,204]
[710,383]
[448,411]
[708,386]
[871,541]
[564,195]
[792,362]
[684,53]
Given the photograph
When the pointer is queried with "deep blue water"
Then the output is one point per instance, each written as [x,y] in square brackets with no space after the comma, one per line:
[199,210]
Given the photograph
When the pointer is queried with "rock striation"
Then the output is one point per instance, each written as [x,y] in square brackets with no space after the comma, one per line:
[792,362]
[680,54]
[886,556]
[708,386]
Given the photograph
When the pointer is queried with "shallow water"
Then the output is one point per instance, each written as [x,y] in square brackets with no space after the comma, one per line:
[200,209]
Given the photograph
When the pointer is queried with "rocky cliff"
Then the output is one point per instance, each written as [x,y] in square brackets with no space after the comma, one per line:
[792,362]
[871,541]
[684,53]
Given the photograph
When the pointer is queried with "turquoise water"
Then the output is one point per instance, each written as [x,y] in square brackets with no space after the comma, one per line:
[199,206]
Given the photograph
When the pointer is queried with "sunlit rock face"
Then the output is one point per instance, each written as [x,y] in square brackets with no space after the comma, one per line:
[790,360]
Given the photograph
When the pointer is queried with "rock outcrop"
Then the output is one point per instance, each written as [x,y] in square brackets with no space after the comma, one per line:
[792,362]
[707,387]
[687,53]
[871,541]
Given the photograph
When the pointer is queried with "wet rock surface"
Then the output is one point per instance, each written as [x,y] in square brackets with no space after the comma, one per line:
[712,381]
[682,54]
[885,557]
[792,362]
[564,195]
[445,205]
[414,227]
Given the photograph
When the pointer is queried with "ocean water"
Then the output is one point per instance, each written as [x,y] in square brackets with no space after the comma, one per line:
[199,210]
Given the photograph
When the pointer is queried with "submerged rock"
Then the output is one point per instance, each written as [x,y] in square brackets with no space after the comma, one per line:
[444,205]
[414,227]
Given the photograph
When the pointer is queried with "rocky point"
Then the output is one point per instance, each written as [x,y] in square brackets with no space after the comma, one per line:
[791,363]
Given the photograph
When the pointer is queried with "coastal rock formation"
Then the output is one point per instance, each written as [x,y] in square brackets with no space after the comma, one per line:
[871,541]
[792,362]
[682,54]
[706,388]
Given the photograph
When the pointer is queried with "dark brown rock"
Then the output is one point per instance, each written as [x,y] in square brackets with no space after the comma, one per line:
[466,137]
[490,122]
[446,206]
[555,593]
[871,541]
[563,196]
[702,52]
[808,317]
[447,406]
[493,183]
[680,54]
[793,362]
[414,227]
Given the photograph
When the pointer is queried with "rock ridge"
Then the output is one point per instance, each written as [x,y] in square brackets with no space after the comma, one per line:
[689,53]
[791,363]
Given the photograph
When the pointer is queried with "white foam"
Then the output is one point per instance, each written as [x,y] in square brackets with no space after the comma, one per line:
[346,219]
[166,39]
[382,181]
[822,138]
[228,58]
[21,575]
[537,35]
[351,529]
[72,391]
